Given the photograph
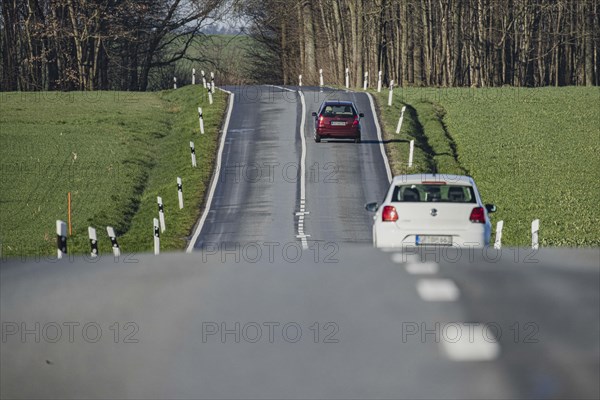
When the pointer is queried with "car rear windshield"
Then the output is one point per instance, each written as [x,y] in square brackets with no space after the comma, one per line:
[338,111]
[434,193]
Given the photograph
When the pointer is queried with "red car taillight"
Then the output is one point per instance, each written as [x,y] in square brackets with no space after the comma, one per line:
[321,121]
[355,121]
[477,215]
[389,214]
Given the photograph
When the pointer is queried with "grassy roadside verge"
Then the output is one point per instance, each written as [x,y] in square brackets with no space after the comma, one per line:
[532,152]
[115,152]
[423,122]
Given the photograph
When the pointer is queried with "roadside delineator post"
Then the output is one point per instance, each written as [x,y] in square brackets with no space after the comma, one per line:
[300,80]
[203,78]
[113,240]
[161,213]
[212,82]
[321,77]
[69,214]
[61,239]
[156,238]
[193,151]
[174,82]
[347,78]
[93,242]
[201,119]
[193,76]
[210,98]
[400,120]
[391,93]
[498,241]
[379,83]
[535,229]
[180,192]
[411,153]
[366,81]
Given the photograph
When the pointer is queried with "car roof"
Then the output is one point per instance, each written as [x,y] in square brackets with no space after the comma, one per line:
[338,103]
[421,178]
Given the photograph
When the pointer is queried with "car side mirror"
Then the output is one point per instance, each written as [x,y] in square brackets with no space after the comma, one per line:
[314,114]
[371,207]
[361,115]
[491,208]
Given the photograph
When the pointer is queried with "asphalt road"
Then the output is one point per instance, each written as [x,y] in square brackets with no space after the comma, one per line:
[284,297]
[165,326]
[259,187]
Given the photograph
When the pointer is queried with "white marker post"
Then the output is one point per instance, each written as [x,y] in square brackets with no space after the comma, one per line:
[193,150]
[180,192]
[113,240]
[161,213]
[347,78]
[212,82]
[366,81]
[535,229]
[61,239]
[299,80]
[379,83]
[410,154]
[174,82]
[156,238]
[321,78]
[193,76]
[201,119]
[400,120]
[498,241]
[391,93]
[203,79]
[93,242]
[210,99]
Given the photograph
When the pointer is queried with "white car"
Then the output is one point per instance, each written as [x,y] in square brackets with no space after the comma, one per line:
[431,209]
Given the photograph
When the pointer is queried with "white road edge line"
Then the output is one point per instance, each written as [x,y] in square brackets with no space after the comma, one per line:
[281,87]
[388,170]
[215,180]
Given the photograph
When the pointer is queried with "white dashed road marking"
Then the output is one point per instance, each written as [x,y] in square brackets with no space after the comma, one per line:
[301,235]
[401,258]
[437,290]
[469,342]
[424,268]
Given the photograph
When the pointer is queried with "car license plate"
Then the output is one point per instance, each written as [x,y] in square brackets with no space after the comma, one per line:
[439,240]
[338,123]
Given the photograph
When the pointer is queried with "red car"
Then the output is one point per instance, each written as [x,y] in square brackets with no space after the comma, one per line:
[337,120]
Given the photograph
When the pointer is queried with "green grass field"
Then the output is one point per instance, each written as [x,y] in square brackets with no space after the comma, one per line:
[225,55]
[115,152]
[533,152]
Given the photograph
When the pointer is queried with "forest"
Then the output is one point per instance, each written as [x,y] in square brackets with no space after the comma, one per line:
[122,44]
[431,42]
[97,44]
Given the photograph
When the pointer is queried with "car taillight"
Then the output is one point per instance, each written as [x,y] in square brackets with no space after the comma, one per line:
[355,121]
[389,214]
[321,121]
[477,215]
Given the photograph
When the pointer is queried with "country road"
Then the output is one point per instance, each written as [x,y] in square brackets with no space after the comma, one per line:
[282,295]
[259,188]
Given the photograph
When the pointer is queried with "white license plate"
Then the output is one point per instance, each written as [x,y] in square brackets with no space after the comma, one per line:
[439,240]
[338,123]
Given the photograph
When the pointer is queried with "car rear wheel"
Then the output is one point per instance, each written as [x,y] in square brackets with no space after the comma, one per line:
[357,140]
[317,138]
